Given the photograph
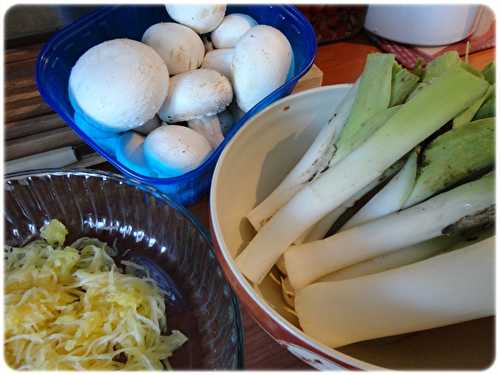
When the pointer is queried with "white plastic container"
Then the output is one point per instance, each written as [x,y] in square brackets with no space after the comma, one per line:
[423,25]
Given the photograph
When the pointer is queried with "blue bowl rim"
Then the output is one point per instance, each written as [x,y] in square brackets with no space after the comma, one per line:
[157,195]
[309,34]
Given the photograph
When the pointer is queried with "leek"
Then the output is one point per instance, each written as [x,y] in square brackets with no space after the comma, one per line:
[450,288]
[467,115]
[432,218]
[453,157]
[450,159]
[489,72]
[312,162]
[441,64]
[436,68]
[487,109]
[411,124]
[350,142]
[374,92]
[394,259]
[372,96]
[403,257]
[403,83]
[321,228]
[391,197]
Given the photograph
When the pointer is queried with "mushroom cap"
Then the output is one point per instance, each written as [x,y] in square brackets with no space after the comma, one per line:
[261,62]
[231,29]
[202,18]
[219,60]
[179,46]
[120,84]
[172,150]
[194,94]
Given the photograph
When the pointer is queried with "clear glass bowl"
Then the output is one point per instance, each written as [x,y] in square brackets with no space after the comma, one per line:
[163,237]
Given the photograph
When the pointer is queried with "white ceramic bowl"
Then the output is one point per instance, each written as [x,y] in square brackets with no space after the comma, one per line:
[424,25]
[253,163]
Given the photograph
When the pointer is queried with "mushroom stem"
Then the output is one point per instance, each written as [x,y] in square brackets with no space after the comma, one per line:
[209,127]
[226,120]
[209,46]
[148,126]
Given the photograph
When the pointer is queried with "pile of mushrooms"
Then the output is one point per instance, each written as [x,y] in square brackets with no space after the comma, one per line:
[176,94]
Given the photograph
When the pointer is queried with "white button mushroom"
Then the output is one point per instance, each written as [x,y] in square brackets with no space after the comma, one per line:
[202,18]
[219,60]
[197,97]
[179,46]
[261,61]
[120,84]
[231,29]
[172,150]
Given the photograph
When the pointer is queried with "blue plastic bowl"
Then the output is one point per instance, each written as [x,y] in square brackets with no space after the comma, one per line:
[63,50]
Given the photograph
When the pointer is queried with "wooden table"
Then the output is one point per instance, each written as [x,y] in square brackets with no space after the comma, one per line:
[340,62]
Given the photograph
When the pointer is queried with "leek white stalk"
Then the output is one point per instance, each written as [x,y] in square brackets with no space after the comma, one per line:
[321,228]
[411,124]
[402,257]
[315,159]
[398,258]
[394,259]
[391,197]
[450,288]
[308,262]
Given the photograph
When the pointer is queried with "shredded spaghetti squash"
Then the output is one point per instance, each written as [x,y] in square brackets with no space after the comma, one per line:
[71,308]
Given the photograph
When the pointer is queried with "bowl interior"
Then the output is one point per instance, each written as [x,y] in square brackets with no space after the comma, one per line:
[161,237]
[266,149]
